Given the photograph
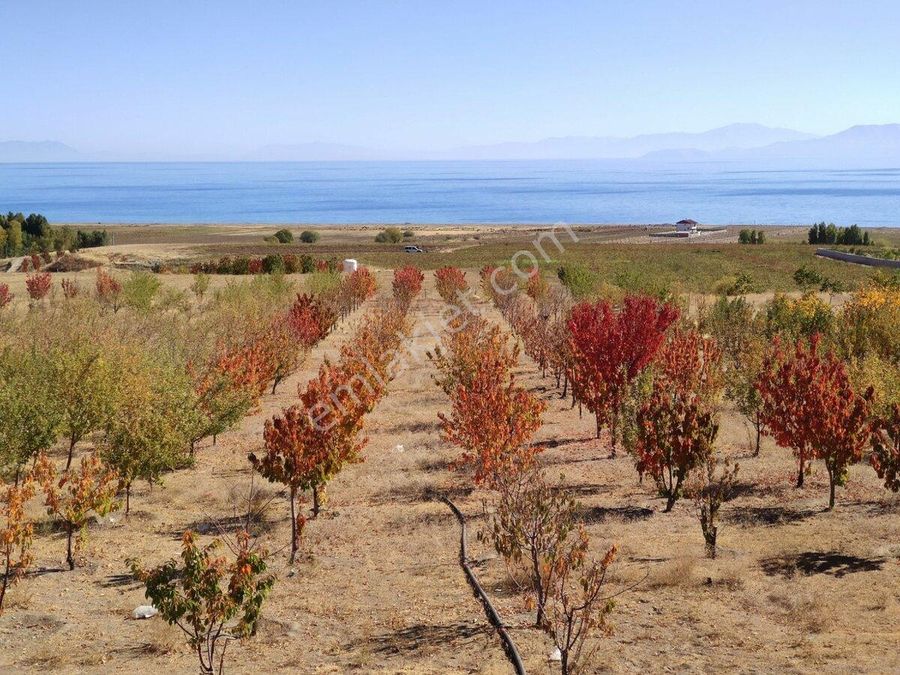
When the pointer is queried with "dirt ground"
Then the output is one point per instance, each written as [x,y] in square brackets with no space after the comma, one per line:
[379,588]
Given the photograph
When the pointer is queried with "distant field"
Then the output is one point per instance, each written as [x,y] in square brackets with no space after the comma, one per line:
[620,255]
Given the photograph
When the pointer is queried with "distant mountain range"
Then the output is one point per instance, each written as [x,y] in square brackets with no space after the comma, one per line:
[732,137]
[872,146]
[37,151]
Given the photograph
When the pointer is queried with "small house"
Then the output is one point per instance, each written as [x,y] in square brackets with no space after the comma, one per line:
[687,225]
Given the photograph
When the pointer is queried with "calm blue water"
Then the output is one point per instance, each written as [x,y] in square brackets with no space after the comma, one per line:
[446,192]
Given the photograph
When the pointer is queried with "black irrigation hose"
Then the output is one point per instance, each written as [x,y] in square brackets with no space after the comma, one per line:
[508,645]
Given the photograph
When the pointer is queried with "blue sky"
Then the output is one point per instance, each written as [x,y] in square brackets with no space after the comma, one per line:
[221,77]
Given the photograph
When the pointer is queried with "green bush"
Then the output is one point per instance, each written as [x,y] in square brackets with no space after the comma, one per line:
[139,290]
[578,279]
[807,278]
[735,285]
[323,283]
[389,235]
[273,264]
[284,236]
[307,264]
[309,237]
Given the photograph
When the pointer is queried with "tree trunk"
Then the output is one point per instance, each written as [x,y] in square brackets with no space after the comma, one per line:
[758,426]
[71,451]
[670,502]
[316,501]
[597,418]
[5,576]
[831,486]
[800,475]
[710,536]
[127,498]
[564,662]
[293,524]
[69,557]
[613,433]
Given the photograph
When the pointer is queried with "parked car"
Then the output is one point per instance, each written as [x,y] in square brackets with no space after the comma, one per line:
[413,249]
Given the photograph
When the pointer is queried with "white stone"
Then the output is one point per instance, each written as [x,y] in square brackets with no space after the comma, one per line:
[555,655]
[144,612]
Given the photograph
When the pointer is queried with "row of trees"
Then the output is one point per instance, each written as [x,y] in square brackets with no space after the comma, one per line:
[821,233]
[310,442]
[145,389]
[214,599]
[272,263]
[626,361]
[534,524]
[748,236]
[33,234]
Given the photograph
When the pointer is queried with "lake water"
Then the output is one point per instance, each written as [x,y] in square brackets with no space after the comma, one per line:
[447,192]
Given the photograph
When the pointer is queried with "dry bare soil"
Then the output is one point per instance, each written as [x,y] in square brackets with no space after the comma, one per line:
[379,588]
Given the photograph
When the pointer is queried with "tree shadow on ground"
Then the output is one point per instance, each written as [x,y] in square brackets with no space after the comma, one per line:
[627,514]
[819,562]
[118,581]
[767,515]
[414,427]
[225,526]
[424,637]
[41,571]
[584,489]
[435,465]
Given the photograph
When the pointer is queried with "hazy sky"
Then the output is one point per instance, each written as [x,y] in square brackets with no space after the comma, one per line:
[190,77]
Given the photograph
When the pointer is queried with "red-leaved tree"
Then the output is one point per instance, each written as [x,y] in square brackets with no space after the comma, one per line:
[5,296]
[407,283]
[109,289]
[610,349]
[886,448]
[38,285]
[677,424]
[809,405]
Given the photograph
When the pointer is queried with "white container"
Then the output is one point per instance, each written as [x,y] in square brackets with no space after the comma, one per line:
[349,265]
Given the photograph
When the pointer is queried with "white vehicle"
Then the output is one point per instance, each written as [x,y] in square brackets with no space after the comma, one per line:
[413,249]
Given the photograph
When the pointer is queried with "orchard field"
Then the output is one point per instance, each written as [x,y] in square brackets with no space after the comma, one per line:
[655,474]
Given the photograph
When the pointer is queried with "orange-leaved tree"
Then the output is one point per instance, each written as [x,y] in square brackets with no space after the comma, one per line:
[492,418]
[15,533]
[76,494]
[810,405]
[678,422]
[450,283]
[310,442]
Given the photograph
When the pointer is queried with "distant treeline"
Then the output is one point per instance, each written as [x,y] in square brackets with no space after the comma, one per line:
[752,237]
[821,233]
[269,264]
[33,234]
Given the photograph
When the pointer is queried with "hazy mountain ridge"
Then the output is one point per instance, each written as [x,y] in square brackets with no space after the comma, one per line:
[733,136]
[37,151]
[870,146]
